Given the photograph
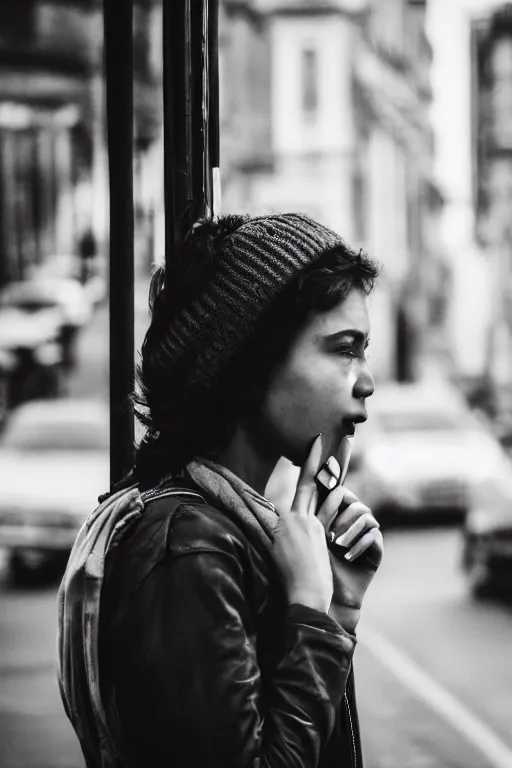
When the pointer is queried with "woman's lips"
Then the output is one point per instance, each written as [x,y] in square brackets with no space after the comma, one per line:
[350,424]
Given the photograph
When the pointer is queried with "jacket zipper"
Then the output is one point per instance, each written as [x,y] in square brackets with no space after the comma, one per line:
[352,738]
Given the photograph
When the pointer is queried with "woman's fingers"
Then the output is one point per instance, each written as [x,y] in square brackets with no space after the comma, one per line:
[351,512]
[350,498]
[365,522]
[306,495]
[372,538]
[356,529]
[330,508]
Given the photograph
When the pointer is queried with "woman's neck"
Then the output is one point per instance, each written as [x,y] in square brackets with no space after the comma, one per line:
[245,459]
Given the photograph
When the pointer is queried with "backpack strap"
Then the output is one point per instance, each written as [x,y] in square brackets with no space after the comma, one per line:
[125,523]
[159,493]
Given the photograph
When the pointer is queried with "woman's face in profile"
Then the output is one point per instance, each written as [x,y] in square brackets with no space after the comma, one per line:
[322,384]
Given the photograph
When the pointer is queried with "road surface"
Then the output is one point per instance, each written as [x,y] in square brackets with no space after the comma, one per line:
[433,669]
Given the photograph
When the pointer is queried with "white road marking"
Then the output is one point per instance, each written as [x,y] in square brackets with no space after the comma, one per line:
[474,730]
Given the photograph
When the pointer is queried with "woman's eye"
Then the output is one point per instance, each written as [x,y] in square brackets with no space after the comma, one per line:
[353,352]
[347,351]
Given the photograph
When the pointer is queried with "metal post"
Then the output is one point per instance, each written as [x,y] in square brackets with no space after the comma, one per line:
[190,113]
[118,20]
[213,165]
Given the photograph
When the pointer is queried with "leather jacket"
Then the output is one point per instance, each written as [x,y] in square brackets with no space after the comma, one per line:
[202,661]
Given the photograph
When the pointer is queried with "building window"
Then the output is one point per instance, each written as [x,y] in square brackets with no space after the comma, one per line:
[309,82]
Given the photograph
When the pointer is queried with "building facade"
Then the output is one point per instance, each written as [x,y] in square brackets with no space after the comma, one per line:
[342,133]
[491,38]
[398,194]
[53,161]
[43,144]
[472,42]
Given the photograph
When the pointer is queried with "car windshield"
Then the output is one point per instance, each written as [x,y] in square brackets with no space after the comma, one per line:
[424,421]
[39,435]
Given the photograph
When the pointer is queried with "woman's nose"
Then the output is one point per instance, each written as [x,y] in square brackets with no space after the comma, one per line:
[365,385]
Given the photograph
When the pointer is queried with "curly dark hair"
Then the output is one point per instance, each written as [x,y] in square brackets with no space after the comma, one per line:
[183,422]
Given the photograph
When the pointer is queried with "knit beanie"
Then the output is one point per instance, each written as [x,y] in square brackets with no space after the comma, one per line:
[253,263]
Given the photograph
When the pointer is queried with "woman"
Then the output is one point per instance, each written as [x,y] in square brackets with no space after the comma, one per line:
[227,627]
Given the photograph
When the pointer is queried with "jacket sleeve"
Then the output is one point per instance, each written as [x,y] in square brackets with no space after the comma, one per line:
[204,669]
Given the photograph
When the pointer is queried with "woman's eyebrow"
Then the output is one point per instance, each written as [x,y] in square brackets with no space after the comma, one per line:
[353,332]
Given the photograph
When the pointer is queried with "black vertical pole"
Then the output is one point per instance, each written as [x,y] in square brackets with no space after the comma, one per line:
[118,21]
[190,111]
[213,121]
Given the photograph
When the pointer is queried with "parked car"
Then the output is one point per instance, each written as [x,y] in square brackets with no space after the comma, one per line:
[54,463]
[420,451]
[92,276]
[66,296]
[33,352]
[487,535]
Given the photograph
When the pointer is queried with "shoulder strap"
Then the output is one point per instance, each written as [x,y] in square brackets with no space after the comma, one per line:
[159,493]
[125,524]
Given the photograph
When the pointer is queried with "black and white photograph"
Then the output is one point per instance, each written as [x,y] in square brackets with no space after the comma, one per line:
[255,384]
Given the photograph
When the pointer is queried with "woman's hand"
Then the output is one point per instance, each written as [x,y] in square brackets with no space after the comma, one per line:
[355,547]
[300,545]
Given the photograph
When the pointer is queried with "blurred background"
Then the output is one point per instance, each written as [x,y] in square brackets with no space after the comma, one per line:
[388,120]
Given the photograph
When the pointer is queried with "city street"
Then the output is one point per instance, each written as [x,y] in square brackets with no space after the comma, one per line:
[370,145]
[433,668]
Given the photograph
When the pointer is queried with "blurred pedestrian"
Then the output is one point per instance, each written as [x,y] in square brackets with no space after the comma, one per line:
[227,627]
[88,250]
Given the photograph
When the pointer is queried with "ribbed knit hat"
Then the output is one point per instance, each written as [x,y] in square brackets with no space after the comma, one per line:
[255,263]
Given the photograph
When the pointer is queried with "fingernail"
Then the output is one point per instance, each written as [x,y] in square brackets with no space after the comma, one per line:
[334,467]
[345,539]
[349,555]
[325,478]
